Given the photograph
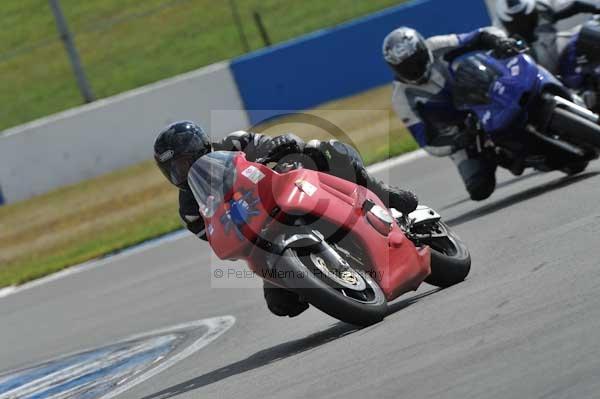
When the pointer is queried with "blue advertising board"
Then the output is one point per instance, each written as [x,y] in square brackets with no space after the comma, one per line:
[341,61]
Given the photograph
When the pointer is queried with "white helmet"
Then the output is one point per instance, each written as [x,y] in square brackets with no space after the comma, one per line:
[407,53]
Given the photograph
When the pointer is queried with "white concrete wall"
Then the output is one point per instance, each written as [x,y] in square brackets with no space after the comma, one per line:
[119,131]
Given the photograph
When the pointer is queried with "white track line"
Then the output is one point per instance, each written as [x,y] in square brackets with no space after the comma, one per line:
[393,162]
[92,264]
[215,327]
[4,292]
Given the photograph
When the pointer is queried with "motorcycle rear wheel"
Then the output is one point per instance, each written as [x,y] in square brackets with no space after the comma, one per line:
[360,308]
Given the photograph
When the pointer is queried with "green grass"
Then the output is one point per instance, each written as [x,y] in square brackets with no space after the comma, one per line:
[127,43]
[388,150]
[133,232]
[83,221]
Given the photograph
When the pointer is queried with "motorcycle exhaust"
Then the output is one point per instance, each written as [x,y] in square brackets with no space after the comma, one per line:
[574,108]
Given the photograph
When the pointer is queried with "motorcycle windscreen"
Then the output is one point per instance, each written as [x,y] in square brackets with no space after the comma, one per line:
[473,78]
[211,179]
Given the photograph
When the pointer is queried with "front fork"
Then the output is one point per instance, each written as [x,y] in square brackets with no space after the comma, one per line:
[420,217]
[539,129]
[550,103]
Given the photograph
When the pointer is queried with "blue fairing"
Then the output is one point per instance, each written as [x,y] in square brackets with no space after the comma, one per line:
[571,75]
[574,70]
[510,83]
[546,78]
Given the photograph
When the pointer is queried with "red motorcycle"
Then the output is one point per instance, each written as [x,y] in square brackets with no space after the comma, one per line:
[331,241]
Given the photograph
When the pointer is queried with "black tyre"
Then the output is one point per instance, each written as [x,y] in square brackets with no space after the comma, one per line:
[359,307]
[572,125]
[450,258]
[575,168]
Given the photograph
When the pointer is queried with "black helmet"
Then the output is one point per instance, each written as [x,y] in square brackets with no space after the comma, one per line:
[406,52]
[519,17]
[177,147]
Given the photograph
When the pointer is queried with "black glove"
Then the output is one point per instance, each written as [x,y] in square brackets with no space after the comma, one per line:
[277,148]
[488,40]
[472,125]
[508,48]
[503,46]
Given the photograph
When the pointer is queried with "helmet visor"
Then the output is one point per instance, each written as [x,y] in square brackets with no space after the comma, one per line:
[176,169]
[414,68]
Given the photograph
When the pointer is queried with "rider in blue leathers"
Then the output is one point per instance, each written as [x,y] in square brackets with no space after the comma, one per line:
[423,100]
[535,21]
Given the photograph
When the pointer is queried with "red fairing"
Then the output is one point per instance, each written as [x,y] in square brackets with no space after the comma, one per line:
[397,265]
[228,240]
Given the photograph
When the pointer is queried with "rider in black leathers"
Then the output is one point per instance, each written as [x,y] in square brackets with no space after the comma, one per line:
[180,144]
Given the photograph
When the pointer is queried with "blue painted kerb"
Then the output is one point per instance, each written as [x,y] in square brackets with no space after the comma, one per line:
[341,61]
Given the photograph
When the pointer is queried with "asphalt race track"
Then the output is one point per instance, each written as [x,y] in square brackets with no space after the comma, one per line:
[526,324]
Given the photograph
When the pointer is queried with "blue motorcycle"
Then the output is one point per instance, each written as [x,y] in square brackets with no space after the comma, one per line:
[521,115]
[579,65]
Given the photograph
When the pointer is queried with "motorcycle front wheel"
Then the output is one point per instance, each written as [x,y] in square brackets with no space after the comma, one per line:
[450,258]
[352,296]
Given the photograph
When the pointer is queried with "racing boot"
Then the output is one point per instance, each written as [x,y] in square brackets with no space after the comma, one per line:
[393,197]
[282,302]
